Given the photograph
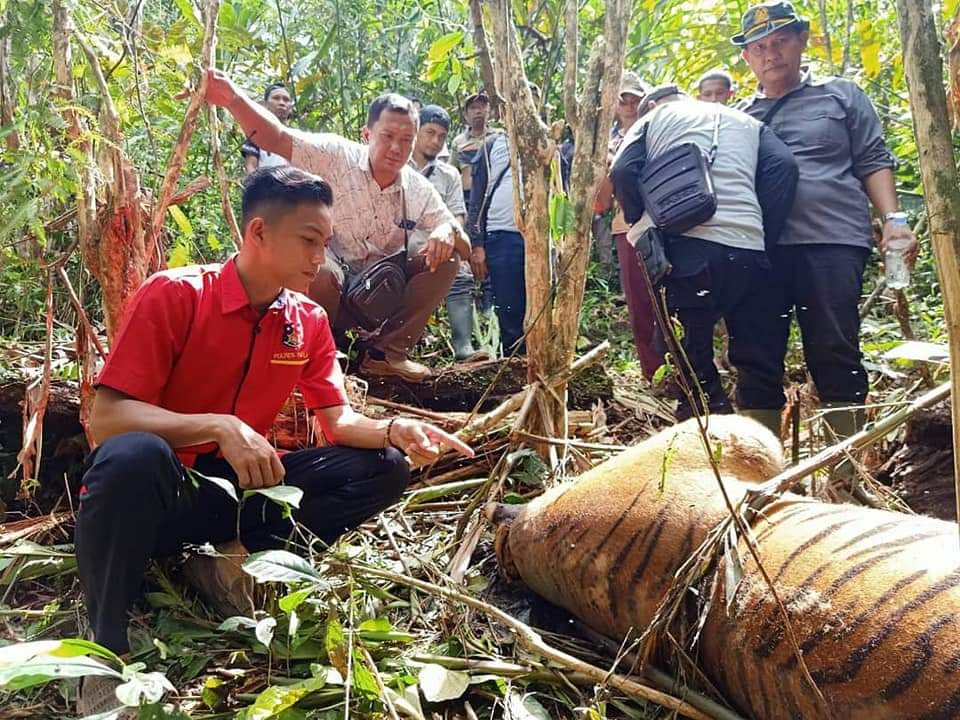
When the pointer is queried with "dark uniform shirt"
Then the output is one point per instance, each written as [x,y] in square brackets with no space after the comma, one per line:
[834,132]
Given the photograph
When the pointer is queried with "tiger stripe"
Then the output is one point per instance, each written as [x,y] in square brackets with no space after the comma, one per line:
[858,657]
[924,647]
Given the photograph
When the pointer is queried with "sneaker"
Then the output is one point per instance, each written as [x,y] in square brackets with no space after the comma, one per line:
[221,581]
[98,695]
[404,368]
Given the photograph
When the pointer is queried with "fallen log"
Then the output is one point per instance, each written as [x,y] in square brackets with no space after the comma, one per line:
[461,387]
[457,389]
[873,597]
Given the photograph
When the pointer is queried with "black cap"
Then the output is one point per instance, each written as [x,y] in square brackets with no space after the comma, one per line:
[434,114]
[765,19]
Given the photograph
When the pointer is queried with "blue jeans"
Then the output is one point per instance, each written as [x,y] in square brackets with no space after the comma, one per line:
[462,284]
[505,267]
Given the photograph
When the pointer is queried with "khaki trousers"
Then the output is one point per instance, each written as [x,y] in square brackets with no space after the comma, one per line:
[423,294]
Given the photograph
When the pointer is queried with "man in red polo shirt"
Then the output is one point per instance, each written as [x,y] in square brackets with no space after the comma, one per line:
[203,362]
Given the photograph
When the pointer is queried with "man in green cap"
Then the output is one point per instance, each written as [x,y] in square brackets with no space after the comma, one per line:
[833,130]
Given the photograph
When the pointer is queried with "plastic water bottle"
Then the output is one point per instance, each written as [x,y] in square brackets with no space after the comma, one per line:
[895,260]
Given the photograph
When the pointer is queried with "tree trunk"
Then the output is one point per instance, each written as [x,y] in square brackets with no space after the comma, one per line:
[484,59]
[923,65]
[556,267]
[8,90]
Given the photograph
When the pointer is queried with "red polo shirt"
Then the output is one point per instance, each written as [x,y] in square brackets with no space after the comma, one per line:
[191,343]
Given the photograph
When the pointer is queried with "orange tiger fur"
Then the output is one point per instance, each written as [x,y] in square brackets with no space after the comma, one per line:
[873,596]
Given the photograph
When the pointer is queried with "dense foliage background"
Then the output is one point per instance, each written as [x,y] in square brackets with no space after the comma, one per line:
[336,55]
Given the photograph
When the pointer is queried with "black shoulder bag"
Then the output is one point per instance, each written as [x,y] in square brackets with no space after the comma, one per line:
[677,186]
[373,295]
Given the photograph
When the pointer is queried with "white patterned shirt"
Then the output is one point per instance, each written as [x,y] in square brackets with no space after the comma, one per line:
[367,219]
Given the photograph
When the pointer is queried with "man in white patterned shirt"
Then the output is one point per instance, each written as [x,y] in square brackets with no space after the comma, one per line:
[380,201]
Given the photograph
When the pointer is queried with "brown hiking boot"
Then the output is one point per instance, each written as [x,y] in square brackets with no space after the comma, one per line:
[399,367]
[98,695]
[221,581]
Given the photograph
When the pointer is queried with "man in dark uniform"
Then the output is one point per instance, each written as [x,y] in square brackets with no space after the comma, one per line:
[203,362]
[845,166]
[277,100]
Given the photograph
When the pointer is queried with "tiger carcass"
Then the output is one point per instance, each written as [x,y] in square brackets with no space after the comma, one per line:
[873,596]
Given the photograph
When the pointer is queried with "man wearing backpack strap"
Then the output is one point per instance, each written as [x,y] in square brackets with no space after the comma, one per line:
[498,247]
[845,166]
[717,261]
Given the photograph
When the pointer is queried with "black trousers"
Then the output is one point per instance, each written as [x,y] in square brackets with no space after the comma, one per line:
[137,503]
[708,282]
[821,285]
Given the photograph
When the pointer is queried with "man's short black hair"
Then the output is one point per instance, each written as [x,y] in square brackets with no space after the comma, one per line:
[391,102]
[718,74]
[282,186]
[270,88]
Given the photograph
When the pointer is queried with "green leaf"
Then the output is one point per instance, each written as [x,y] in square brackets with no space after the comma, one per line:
[442,46]
[407,704]
[190,12]
[43,669]
[291,601]
[71,647]
[376,625]
[453,83]
[363,679]
[180,255]
[335,643]
[180,54]
[214,693]
[181,220]
[282,566]
[434,70]
[562,216]
[439,683]
[228,487]
[275,699]
[280,494]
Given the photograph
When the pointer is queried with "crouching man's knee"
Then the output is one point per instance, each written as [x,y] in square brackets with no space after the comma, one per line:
[127,467]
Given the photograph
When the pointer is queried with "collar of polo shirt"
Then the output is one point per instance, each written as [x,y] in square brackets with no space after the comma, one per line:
[394,186]
[234,296]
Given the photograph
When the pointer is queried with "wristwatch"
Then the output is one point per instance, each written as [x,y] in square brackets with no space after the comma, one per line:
[893,215]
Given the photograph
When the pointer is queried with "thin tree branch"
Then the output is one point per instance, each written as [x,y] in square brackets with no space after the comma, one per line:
[179,154]
[571,48]
[532,640]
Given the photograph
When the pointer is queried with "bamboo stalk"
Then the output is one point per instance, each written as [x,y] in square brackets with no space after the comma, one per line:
[384,695]
[599,447]
[832,455]
[444,418]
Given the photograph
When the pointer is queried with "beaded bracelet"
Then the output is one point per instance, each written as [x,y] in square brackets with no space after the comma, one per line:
[386,438]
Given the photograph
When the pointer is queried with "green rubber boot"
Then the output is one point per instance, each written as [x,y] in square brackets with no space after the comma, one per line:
[843,420]
[769,418]
[460,312]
